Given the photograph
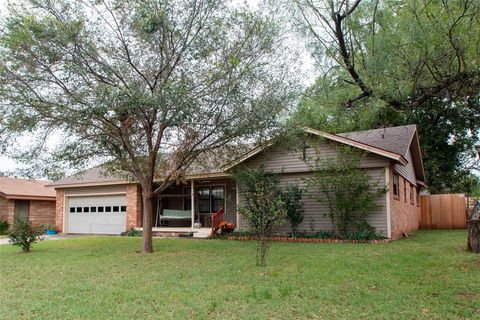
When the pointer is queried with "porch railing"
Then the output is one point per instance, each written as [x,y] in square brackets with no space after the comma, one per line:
[217,218]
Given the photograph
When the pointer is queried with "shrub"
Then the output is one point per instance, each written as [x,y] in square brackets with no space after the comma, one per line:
[4,225]
[263,206]
[24,234]
[292,196]
[132,233]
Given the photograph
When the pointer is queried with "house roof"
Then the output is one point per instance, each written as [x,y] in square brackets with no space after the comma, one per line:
[92,176]
[393,143]
[393,139]
[21,189]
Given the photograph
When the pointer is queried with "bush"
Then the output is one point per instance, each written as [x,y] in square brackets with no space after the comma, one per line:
[132,233]
[292,197]
[263,206]
[24,234]
[50,227]
[4,225]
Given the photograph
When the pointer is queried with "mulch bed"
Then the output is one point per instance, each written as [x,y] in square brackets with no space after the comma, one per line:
[307,240]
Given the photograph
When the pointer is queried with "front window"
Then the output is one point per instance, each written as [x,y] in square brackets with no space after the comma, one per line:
[210,199]
[218,198]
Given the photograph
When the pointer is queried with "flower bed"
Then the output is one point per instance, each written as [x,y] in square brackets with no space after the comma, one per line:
[307,240]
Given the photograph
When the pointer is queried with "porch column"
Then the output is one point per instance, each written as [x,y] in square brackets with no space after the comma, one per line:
[192,201]
[237,199]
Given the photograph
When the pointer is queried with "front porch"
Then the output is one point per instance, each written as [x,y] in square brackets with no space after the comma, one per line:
[189,206]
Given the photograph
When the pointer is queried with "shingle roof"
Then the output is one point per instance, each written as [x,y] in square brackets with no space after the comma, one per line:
[13,188]
[93,175]
[393,139]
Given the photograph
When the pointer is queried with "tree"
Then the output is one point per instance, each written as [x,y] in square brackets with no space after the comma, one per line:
[399,62]
[399,54]
[24,234]
[143,87]
[345,188]
[263,206]
[292,197]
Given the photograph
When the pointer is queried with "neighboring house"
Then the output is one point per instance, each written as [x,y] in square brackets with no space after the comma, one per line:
[92,202]
[27,199]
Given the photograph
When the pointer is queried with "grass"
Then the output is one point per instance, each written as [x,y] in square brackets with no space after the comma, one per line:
[429,275]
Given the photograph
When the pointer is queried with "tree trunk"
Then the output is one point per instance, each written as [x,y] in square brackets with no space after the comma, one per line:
[474,236]
[147,196]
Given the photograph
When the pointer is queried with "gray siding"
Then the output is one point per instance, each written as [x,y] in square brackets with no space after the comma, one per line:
[278,161]
[407,171]
[315,212]
[292,168]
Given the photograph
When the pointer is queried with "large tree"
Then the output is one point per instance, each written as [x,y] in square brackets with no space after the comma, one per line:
[397,53]
[145,86]
[388,62]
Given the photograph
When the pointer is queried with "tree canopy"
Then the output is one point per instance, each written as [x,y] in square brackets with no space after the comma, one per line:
[143,86]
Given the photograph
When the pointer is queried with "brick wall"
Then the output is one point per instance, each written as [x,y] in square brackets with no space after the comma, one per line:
[134,206]
[42,212]
[3,208]
[7,208]
[59,210]
[404,215]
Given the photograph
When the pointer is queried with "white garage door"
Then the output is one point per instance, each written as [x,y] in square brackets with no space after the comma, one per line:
[97,215]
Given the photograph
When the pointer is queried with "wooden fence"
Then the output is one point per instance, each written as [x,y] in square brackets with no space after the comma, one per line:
[443,211]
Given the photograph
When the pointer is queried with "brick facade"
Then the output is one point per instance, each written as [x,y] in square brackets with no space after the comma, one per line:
[404,216]
[134,206]
[42,212]
[6,209]
[59,210]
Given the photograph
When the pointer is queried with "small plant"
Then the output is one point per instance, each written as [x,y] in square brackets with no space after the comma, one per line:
[292,196]
[263,208]
[132,233]
[50,227]
[4,225]
[24,234]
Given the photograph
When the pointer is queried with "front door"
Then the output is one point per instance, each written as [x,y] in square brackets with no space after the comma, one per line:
[21,209]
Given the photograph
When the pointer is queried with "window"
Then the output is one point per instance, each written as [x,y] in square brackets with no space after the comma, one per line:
[187,201]
[100,209]
[211,199]
[405,190]
[79,209]
[116,208]
[396,189]
[108,209]
[123,208]
[218,198]
[72,209]
[418,198]
[412,200]
[86,209]
[204,200]
[93,209]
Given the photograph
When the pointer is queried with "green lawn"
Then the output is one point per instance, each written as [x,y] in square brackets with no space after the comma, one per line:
[429,275]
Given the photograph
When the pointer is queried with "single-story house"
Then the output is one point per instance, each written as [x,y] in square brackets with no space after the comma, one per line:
[92,202]
[27,199]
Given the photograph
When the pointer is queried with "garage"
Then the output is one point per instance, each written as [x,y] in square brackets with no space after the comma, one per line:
[96,214]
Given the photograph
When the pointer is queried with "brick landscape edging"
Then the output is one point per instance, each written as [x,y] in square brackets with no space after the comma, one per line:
[308,240]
